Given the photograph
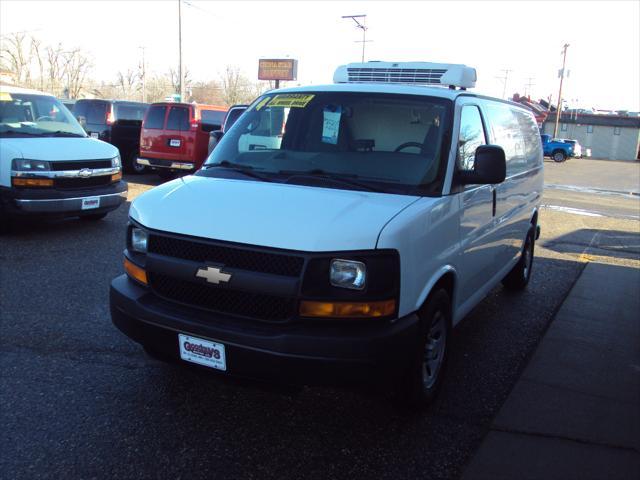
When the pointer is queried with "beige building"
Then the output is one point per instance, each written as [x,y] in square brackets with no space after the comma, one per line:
[607,136]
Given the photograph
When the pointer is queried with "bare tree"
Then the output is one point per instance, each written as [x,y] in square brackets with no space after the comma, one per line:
[38,53]
[55,67]
[76,68]
[15,57]
[129,83]
[174,78]
[237,88]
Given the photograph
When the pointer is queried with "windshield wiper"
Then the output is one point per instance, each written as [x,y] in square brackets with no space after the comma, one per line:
[237,167]
[347,179]
[62,133]
[18,132]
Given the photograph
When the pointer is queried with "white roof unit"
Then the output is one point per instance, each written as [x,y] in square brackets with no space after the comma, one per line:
[407,73]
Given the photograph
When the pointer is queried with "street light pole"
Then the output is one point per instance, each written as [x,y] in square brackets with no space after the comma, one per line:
[558,112]
[180,86]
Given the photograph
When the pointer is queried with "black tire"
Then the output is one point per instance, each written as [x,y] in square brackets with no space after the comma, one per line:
[419,384]
[93,217]
[559,156]
[130,165]
[520,274]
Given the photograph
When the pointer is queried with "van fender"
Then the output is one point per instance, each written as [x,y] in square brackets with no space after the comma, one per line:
[435,278]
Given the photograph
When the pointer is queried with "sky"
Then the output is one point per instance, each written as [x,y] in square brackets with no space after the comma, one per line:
[523,38]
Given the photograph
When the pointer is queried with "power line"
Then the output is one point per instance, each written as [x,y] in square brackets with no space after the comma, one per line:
[505,79]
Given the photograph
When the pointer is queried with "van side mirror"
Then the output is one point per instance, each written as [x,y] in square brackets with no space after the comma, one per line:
[490,166]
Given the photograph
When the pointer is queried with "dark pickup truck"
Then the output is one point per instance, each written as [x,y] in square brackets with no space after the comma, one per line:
[116,122]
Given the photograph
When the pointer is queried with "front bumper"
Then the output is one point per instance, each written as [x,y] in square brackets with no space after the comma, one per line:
[52,202]
[166,164]
[308,353]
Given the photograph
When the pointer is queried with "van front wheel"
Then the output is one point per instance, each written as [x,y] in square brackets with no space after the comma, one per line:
[421,381]
[518,277]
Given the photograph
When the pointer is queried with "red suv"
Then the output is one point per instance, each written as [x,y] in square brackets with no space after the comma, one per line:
[175,136]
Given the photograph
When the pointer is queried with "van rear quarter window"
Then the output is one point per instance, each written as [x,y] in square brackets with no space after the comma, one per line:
[129,112]
[155,117]
[178,119]
[211,119]
[93,112]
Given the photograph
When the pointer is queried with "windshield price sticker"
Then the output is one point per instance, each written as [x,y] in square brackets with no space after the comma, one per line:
[5,97]
[331,124]
[291,100]
[262,103]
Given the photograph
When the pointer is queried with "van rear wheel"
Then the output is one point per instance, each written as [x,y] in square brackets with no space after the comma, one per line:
[131,164]
[421,381]
[519,276]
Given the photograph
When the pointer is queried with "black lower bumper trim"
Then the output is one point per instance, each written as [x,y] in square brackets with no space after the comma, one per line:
[300,353]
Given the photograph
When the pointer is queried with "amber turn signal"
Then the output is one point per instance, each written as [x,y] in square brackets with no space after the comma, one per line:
[347,309]
[31,182]
[135,272]
[116,176]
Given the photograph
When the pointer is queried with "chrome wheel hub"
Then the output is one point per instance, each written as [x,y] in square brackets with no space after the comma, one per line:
[434,350]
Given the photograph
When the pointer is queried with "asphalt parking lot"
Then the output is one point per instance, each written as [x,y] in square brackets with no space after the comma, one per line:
[79,400]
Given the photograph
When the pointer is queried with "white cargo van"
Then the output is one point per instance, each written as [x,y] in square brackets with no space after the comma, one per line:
[338,233]
[48,164]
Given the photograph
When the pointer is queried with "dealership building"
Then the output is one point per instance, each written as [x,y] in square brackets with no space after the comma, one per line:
[610,137]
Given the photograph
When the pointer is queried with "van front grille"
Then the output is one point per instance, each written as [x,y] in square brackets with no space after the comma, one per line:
[233,302]
[80,164]
[234,257]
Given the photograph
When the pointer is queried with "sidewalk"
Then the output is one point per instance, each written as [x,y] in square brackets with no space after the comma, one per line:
[575,412]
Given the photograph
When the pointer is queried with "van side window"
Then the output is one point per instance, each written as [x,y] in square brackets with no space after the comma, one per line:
[531,138]
[471,136]
[506,132]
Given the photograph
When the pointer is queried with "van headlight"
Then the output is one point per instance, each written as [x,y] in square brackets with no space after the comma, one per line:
[348,274]
[115,161]
[25,165]
[139,239]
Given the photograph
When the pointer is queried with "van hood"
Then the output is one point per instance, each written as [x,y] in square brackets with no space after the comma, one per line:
[59,148]
[269,214]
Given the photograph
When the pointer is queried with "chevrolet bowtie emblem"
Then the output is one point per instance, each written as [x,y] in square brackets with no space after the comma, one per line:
[213,275]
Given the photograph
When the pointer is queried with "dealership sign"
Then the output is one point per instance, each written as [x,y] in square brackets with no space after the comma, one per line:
[277,69]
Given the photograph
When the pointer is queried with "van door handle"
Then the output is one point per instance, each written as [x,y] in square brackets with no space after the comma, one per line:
[493,191]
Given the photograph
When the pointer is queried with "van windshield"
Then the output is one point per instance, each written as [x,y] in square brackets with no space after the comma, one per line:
[389,142]
[29,115]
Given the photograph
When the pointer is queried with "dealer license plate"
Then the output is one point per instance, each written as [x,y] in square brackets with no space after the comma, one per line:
[203,352]
[174,143]
[90,202]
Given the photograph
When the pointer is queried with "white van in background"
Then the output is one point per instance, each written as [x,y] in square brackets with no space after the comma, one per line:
[48,164]
[338,233]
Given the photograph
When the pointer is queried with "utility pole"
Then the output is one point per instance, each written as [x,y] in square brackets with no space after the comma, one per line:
[528,85]
[180,79]
[363,27]
[504,79]
[144,78]
[558,108]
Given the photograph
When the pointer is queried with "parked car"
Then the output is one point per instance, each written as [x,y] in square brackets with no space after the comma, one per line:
[229,119]
[48,165]
[338,233]
[175,136]
[559,149]
[116,122]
